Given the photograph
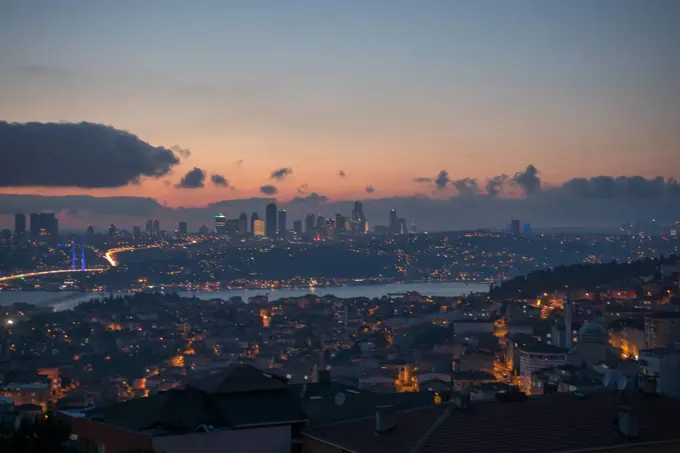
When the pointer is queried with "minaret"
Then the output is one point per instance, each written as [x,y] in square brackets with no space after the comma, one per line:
[568,319]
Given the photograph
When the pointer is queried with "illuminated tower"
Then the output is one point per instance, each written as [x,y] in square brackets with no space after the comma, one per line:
[73,255]
[82,254]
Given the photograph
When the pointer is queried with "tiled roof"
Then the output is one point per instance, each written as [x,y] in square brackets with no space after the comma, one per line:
[182,411]
[238,378]
[359,436]
[555,423]
[545,424]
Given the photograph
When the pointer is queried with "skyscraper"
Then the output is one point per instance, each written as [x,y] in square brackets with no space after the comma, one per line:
[183,228]
[243,223]
[514,227]
[157,228]
[270,220]
[136,232]
[220,224]
[358,213]
[401,226]
[310,224]
[258,227]
[20,225]
[253,218]
[297,227]
[44,225]
[149,228]
[282,222]
[393,224]
[113,231]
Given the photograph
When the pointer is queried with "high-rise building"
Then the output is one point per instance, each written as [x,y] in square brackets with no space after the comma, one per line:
[253,218]
[113,231]
[526,229]
[156,228]
[393,224]
[44,225]
[20,225]
[243,223]
[204,230]
[297,227]
[220,224]
[137,232]
[358,212]
[514,227]
[310,224]
[282,219]
[89,234]
[149,228]
[270,220]
[258,227]
[401,226]
[232,227]
[183,228]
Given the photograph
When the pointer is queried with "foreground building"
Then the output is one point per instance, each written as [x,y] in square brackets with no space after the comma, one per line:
[594,422]
[241,409]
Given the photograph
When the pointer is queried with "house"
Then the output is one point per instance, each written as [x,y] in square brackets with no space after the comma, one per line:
[242,408]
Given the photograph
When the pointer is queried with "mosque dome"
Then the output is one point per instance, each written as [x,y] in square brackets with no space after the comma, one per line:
[593,332]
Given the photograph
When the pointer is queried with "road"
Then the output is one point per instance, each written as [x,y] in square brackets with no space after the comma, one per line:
[58,271]
[110,256]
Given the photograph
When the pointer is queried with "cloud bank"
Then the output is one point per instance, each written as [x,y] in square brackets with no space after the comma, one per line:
[83,155]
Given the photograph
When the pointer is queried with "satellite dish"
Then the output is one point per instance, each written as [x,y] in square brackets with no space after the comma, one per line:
[621,382]
[340,399]
[606,379]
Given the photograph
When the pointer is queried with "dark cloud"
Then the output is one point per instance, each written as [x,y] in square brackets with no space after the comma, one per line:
[466,187]
[183,152]
[312,198]
[219,180]
[369,189]
[420,179]
[621,187]
[268,190]
[342,173]
[281,173]
[528,180]
[442,179]
[194,179]
[303,189]
[494,185]
[77,155]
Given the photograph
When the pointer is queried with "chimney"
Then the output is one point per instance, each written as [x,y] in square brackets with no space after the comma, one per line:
[462,401]
[628,422]
[384,419]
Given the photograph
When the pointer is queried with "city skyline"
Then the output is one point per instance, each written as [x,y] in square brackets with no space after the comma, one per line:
[448,103]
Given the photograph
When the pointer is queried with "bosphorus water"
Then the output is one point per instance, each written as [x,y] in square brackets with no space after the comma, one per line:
[68,300]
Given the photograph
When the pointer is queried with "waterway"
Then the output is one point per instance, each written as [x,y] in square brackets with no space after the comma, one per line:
[67,300]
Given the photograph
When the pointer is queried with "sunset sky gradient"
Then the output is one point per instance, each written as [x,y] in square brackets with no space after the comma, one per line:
[384,90]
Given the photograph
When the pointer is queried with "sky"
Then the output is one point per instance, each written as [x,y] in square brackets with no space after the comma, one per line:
[383,91]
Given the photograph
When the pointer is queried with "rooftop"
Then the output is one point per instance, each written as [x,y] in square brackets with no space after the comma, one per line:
[549,423]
